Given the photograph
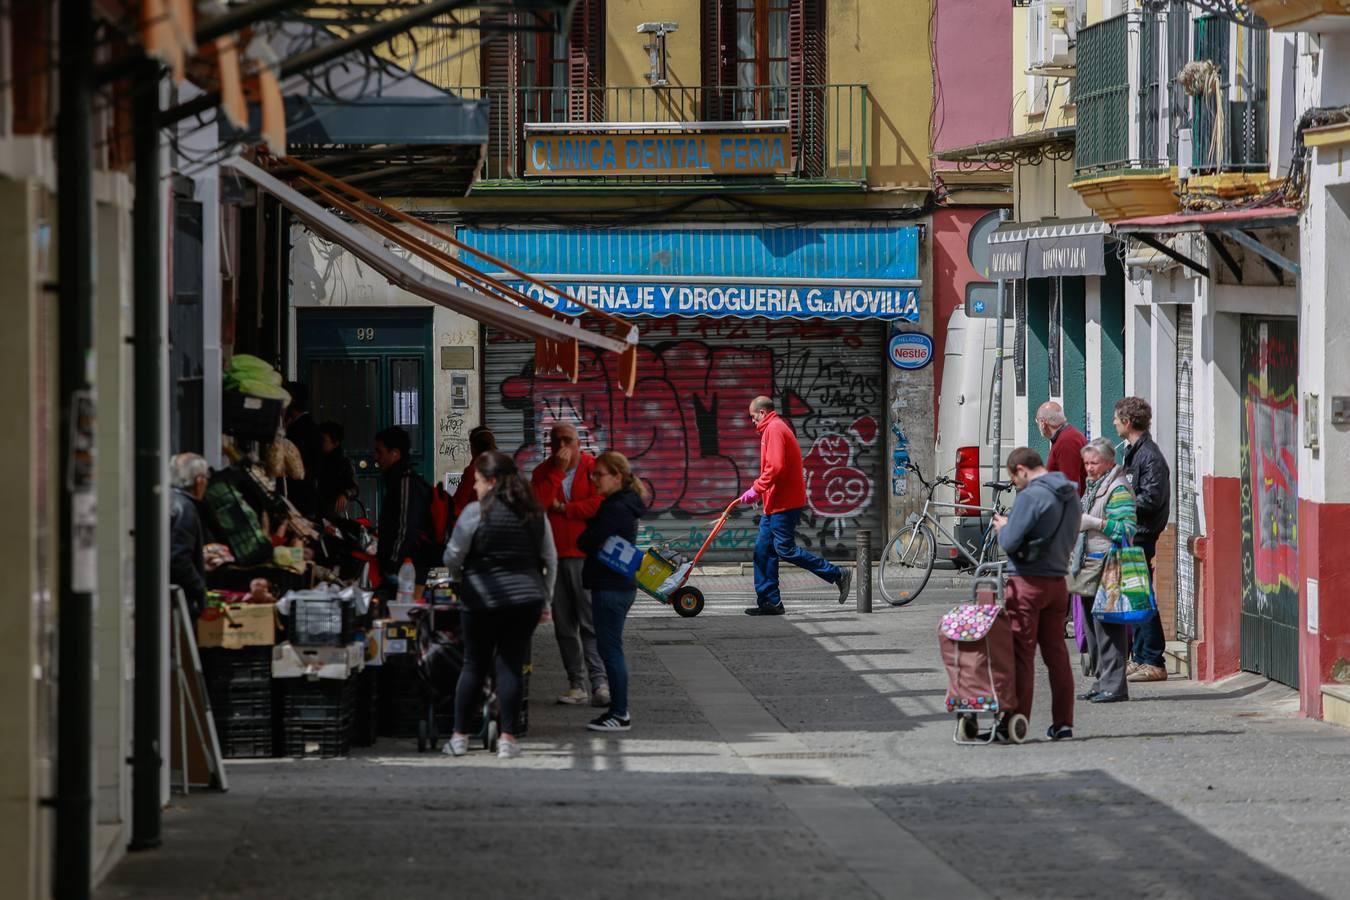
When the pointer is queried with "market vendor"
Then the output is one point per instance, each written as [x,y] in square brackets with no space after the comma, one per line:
[405,514]
[189,475]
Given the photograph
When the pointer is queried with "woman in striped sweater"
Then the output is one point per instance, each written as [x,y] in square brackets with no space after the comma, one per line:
[1108,519]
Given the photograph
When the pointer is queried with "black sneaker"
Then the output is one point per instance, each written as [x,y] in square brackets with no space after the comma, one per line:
[610,722]
[1059,732]
[845,584]
[775,610]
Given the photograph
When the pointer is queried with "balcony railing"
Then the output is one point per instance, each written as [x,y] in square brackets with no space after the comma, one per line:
[1241,56]
[1127,69]
[1131,107]
[827,127]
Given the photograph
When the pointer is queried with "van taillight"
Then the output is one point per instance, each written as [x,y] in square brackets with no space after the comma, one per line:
[968,480]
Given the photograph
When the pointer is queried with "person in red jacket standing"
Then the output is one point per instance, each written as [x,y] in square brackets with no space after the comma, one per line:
[782,487]
[1066,444]
[562,484]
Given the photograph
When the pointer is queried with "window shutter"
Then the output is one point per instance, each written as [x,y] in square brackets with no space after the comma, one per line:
[499,66]
[586,63]
[718,58]
[806,79]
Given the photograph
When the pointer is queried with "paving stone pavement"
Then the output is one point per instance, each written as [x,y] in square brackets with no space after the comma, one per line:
[800,756]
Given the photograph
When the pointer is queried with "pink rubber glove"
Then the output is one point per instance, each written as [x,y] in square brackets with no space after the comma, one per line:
[750,496]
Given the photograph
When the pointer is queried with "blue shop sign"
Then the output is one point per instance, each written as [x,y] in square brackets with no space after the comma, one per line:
[821,273]
[776,301]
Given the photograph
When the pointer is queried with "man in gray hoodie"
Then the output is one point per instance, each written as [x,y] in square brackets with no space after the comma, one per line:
[1038,536]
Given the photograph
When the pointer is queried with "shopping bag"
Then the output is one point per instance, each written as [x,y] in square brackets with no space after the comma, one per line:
[1125,594]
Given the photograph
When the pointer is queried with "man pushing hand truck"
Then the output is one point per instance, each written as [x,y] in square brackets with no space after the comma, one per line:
[781,486]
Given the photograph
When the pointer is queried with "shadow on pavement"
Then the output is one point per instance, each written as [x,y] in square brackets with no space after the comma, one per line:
[1077,834]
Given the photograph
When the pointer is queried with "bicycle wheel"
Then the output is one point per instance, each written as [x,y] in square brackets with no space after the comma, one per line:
[906,563]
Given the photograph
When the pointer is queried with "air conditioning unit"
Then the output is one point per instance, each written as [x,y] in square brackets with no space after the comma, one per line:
[1052,34]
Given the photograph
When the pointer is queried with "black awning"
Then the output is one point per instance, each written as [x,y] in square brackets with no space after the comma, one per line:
[1051,248]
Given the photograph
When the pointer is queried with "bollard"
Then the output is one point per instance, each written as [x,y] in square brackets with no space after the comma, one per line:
[862,575]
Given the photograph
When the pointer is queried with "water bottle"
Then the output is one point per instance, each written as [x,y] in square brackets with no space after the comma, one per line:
[407,581]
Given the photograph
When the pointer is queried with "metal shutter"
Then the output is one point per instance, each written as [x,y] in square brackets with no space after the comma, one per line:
[687,431]
[1186,503]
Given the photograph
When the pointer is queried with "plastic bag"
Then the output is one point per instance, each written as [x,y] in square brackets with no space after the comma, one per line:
[1124,594]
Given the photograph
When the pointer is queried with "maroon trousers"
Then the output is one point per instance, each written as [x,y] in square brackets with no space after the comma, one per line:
[1036,608]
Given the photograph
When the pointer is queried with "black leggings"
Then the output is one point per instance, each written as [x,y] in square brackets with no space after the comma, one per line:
[504,633]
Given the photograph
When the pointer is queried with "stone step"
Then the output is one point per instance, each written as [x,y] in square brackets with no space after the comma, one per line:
[1336,704]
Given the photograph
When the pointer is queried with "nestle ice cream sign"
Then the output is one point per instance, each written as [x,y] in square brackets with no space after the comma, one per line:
[910,350]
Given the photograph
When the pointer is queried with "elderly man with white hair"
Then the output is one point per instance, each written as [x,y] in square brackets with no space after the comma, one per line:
[1066,443]
[188,475]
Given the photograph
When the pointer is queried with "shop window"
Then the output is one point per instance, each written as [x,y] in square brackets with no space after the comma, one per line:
[186,355]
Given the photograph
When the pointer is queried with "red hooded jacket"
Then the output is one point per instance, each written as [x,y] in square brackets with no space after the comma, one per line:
[780,480]
[547,482]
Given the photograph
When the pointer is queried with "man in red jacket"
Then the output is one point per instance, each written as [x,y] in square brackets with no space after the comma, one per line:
[1066,444]
[782,486]
[562,484]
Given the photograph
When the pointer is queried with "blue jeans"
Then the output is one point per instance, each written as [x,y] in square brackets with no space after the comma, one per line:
[1149,643]
[776,534]
[610,609]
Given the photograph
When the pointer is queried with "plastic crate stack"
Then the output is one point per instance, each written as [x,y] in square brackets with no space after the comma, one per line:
[367,721]
[318,716]
[239,684]
[402,703]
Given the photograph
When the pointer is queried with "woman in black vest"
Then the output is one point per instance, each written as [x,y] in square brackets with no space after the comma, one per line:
[501,553]
[612,594]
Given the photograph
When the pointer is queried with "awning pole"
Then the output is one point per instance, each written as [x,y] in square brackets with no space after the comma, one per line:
[996,428]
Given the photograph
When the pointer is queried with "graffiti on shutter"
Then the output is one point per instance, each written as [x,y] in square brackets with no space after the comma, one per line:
[687,431]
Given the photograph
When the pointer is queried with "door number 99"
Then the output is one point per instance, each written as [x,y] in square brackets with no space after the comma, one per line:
[365,334]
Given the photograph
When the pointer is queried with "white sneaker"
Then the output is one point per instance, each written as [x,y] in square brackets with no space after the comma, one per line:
[507,749]
[456,746]
[574,697]
[601,698]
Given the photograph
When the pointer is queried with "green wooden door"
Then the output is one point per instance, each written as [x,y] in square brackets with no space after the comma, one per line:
[369,369]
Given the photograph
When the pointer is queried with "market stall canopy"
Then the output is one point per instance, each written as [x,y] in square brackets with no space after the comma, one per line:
[1236,224]
[1048,249]
[556,335]
[423,146]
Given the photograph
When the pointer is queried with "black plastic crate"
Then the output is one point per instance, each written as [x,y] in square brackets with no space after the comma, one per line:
[245,737]
[401,697]
[229,667]
[317,738]
[320,622]
[242,705]
[248,746]
[320,700]
[250,418]
[366,725]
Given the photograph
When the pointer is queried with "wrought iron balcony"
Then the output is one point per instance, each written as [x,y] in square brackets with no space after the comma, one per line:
[1132,107]
[760,138]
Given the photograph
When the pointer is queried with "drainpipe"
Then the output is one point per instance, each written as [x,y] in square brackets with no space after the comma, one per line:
[76,553]
[152,586]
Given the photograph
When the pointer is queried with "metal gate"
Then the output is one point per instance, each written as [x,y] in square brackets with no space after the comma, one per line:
[1186,487]
[1269,472]
[687,431]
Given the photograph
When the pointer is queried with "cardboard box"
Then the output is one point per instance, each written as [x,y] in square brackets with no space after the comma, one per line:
[399,611]
[375,644]
[335,663]
[399,637]
[239,625]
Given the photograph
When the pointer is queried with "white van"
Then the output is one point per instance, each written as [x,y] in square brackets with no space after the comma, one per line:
[965,419]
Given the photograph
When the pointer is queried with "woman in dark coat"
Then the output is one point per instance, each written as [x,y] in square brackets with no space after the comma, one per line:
[502,555]
[612,594]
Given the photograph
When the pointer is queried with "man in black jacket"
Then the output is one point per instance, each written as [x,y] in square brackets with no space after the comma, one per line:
[405,513]
[1152,482]
[188,474]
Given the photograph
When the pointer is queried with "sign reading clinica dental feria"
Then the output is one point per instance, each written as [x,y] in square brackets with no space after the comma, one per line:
[641,153]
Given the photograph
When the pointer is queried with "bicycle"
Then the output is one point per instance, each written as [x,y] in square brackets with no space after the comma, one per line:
[908,558]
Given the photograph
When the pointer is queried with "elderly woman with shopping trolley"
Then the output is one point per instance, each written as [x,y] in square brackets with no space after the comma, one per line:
[1108,520]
